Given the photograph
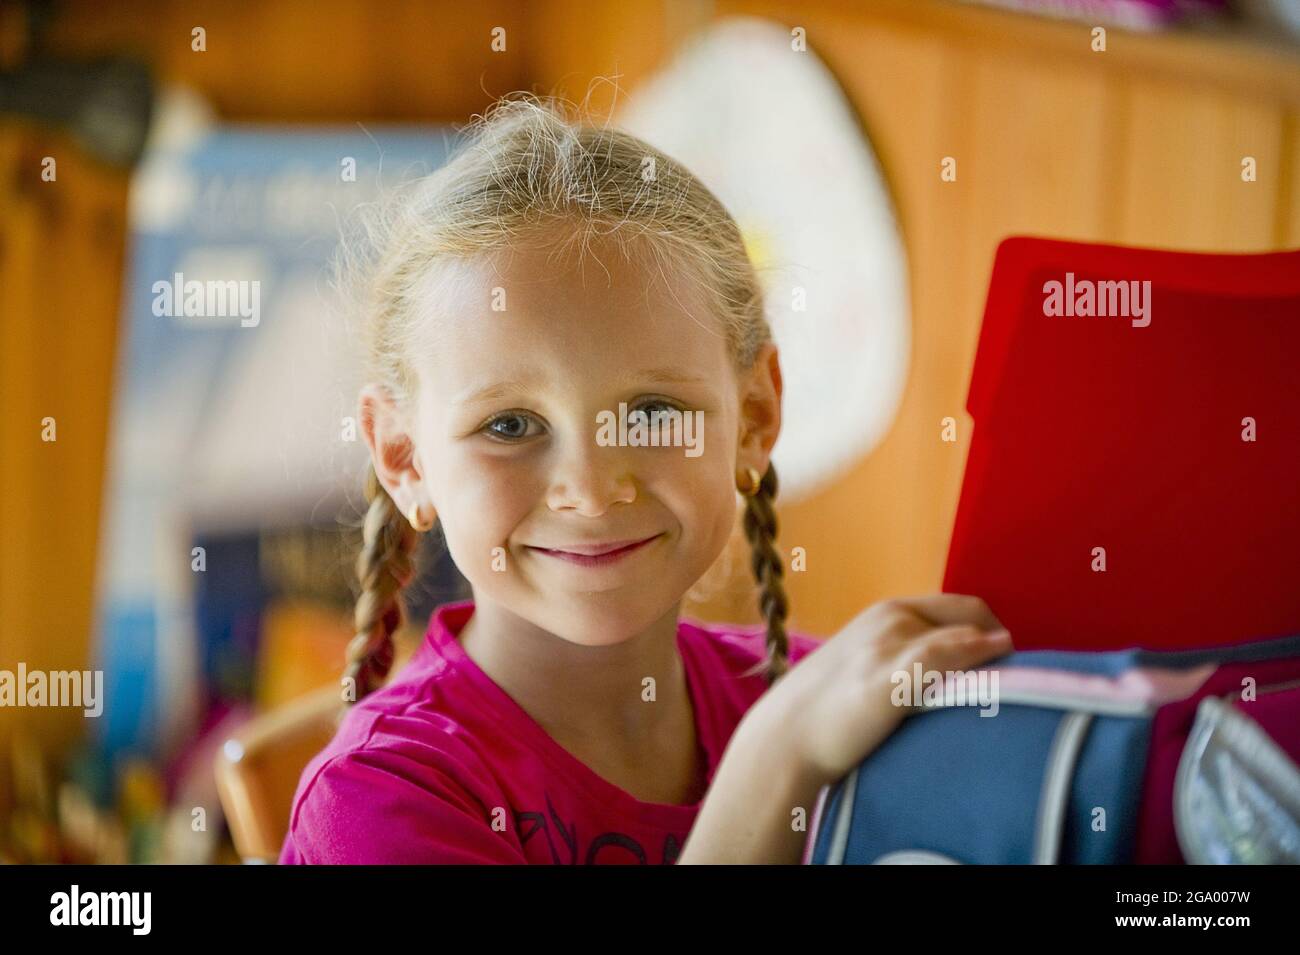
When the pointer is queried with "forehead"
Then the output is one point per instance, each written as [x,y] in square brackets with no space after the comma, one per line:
[592,316]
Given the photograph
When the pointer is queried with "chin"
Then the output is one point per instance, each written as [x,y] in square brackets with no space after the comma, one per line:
[603,618]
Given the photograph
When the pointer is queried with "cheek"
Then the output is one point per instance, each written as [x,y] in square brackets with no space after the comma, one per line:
[710,476]
[481,498]
[701,493]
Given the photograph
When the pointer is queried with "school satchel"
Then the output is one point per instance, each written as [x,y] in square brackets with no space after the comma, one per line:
[1147,756]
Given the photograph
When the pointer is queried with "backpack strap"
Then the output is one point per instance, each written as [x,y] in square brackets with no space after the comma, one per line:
[1061,761]
[848,790]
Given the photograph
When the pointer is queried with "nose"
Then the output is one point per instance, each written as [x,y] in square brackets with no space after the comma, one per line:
[590,479]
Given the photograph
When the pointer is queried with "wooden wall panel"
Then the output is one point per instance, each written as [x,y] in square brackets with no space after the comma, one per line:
[328,60]
[60,273]
[1287,232]
[1182,185]
[596,53]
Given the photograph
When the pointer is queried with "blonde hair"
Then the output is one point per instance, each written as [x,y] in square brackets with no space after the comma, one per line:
[529,164]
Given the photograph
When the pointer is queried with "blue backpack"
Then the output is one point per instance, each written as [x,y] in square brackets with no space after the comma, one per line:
[1060,772]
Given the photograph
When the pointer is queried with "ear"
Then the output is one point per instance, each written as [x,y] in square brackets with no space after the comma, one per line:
[760,410]
[392,447]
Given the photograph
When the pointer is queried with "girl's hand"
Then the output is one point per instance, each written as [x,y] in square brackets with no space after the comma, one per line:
[834,707]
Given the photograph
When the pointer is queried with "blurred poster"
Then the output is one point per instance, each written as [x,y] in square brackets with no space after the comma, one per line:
[234,378]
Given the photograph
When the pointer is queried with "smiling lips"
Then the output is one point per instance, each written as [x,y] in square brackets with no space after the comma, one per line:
[595,555]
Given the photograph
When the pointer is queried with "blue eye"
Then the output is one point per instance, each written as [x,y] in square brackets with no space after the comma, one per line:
[508,434]
[650,416]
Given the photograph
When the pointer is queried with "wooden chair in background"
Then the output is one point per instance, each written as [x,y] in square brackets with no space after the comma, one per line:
[259,766]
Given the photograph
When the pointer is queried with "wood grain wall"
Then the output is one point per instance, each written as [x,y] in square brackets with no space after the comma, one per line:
[1140,144]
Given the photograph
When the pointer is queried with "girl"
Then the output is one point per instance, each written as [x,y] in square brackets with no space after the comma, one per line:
[551,275]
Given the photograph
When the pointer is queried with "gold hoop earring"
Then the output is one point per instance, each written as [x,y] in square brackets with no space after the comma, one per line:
[413,517]
[755,481]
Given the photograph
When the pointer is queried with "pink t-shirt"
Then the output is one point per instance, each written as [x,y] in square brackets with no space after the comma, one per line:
[419,768]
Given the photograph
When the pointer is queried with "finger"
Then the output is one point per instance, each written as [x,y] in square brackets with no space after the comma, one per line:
[962,646]
[941,610]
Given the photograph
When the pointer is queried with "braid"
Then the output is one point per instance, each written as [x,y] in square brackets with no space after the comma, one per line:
[760,529]
[384,566]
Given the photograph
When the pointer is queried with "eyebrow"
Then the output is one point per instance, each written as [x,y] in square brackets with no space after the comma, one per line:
[502,389]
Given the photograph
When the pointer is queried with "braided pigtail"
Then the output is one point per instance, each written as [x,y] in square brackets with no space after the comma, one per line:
[760,529]
[385,565]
